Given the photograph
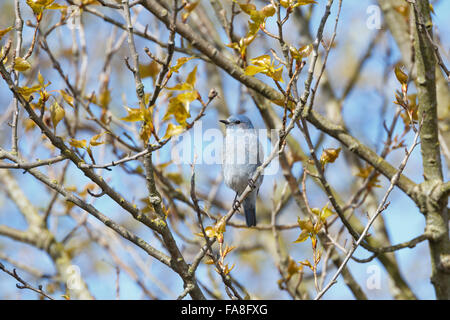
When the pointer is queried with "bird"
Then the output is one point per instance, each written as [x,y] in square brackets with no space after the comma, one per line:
[242,155]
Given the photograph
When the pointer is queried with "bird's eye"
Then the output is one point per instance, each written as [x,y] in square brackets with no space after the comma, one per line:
[237,121]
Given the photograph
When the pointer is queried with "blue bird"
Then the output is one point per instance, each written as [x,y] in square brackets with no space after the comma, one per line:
[242,154]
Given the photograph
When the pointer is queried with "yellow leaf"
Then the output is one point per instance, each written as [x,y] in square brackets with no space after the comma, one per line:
[268,10]
[29,124]
[305,225]
[364,172]
[39,5]
[180,62]
[277,75]
[57,113]
[314,240]
[21,64]
[253,28]
[147,113]
[325,213]
[401,76]
[176,177]
[306,50]
[37,8]
[306,263]
[180,87]
[104,98]
[133,115]
[228,270]
[233,45]
[302,237]
[149,70]
[5,31]
[188,97]
[293,268]
[209,231]
[41,79]
[302,52]
[78,143]
[248,8]
[146,131]
[56,6]
[220,226]
[305,2]
[263,60]
[2,52]
[191,6]
[252,70]
[94,140]
[192,77]
[179,106]
[43,2]
[227,250]
[67,98]
[329,155]
[285,3]
[173,130]
[28,91]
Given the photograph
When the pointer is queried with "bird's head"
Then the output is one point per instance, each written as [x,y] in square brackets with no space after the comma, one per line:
[237,122]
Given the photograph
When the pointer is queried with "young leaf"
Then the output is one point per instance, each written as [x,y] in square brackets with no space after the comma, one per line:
[78,143]
[401,76]
[263,60]
[306,263]
[56,6]
[180,62]
[192,77]
[248,8]
[67,98]
[146,131]
[210,232]
[302,237]
[277,75]
[133,115]
[21,64]
[179,106]
[176,177]
[306,225]
[329,155]
[28,91]
[173,130]
[149,70]
[189,7]
[105,98]
[57,113]
[41,79]
[94,140]
[5,31]
[252,70]
[268,10]
[180,87]
[305,2]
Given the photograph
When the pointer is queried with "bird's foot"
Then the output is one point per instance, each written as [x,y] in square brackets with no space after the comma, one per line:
[236,205]
[252,184]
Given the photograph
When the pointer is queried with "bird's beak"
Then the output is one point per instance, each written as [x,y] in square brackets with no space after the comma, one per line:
[225,122]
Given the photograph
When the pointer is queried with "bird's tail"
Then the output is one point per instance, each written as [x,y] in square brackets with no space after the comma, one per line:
[249,205]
